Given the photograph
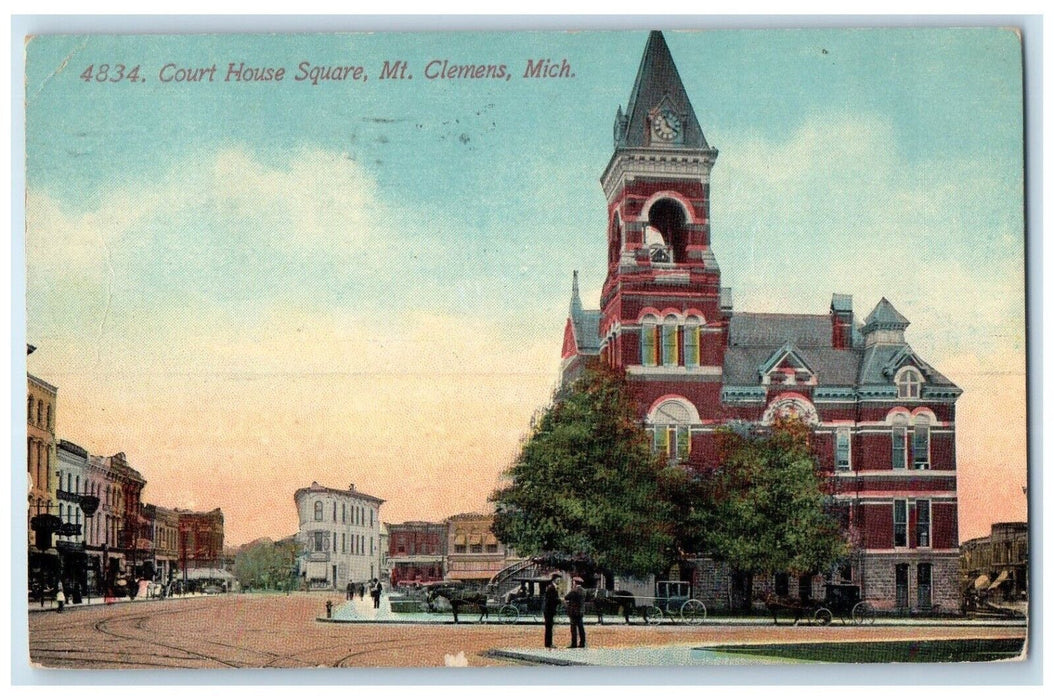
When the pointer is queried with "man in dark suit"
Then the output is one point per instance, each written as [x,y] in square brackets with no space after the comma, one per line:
[552,600]
[576,600]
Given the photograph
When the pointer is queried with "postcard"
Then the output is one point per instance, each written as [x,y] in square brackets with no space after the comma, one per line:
[605,348]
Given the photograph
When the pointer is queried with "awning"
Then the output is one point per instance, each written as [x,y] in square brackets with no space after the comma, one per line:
[459,539]
[490,538]
[475,538]
[981,582]
[198,574]
[1003,576]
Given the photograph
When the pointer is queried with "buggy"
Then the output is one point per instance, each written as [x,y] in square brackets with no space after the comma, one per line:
[673,600]
[843,600]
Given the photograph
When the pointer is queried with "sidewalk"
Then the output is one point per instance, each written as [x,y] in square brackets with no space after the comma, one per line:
[361,611]
[52,606]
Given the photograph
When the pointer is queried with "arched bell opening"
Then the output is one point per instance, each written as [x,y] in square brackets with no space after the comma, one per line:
[668,218]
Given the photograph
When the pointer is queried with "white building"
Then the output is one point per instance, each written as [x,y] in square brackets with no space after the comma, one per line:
[339,536]
[71,482]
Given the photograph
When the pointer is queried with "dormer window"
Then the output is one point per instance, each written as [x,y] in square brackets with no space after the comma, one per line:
[909,384]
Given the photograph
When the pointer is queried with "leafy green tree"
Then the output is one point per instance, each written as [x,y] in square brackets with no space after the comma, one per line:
[767,509]
[586,484]
[265,564]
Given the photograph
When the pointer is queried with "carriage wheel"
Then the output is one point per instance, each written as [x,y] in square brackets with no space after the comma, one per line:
[509,614]
[863,614]
[653,614]
[693,610]
[823,617]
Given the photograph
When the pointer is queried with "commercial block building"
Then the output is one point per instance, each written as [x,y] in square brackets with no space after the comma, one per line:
[339,536]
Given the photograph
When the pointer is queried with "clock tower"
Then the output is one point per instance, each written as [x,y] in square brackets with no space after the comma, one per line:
[662,314]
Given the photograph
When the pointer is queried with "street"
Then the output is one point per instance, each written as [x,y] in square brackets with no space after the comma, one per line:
[279,631]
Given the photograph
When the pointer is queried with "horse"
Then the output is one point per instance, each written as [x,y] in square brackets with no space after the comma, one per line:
[610,603]
[458,597]
[775,603]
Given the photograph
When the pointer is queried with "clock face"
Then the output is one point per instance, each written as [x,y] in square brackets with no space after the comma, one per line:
[666,125]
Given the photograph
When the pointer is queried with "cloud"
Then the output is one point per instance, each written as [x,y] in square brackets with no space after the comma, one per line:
[229,206]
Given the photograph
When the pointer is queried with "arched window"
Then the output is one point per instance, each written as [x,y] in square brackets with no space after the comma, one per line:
[900,441]
[40,412]
[48,423]
[909,383]
[670,426]
[649,345]
[670,346]
[318,511]
[920,442]
[29,409]
[692,356]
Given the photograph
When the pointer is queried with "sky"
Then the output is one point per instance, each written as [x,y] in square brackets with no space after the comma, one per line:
[249,286]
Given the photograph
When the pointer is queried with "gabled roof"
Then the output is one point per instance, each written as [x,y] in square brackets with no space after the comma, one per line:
[584,323]
[787,350]
[832,367]
[880,363]
[658,80]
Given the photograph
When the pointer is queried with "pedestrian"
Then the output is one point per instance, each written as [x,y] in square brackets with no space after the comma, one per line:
[362,591]
[60,598]
[575,600]
[351,590]
[375,591]
[551,601]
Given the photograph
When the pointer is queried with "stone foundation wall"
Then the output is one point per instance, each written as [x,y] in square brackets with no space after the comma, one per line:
[877,575]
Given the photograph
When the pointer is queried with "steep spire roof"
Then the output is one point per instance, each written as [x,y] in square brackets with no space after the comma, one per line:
[576,300]
[885,316]
[657,80]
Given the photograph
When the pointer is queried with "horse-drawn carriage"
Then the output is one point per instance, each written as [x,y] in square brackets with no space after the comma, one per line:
[528,601]
[673,600]
[459,596]
[841,599]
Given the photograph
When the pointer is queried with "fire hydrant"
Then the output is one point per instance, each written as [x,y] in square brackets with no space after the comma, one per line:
[329,609]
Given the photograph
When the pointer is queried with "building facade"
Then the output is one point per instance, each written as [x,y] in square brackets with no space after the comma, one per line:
[70,478]
[163,528]
[473,551]
[996,564]
[883,418]
[339,536]
[200,543]
[416,551]
[41,402]
[111,535]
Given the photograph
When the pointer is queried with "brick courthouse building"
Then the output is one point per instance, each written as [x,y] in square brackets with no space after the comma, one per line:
[883,419]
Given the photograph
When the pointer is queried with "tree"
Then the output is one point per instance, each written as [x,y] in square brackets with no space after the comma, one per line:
[767,510]
[586,484]
[264,564]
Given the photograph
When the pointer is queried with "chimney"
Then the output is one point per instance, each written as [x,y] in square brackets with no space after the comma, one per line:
[841,321]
